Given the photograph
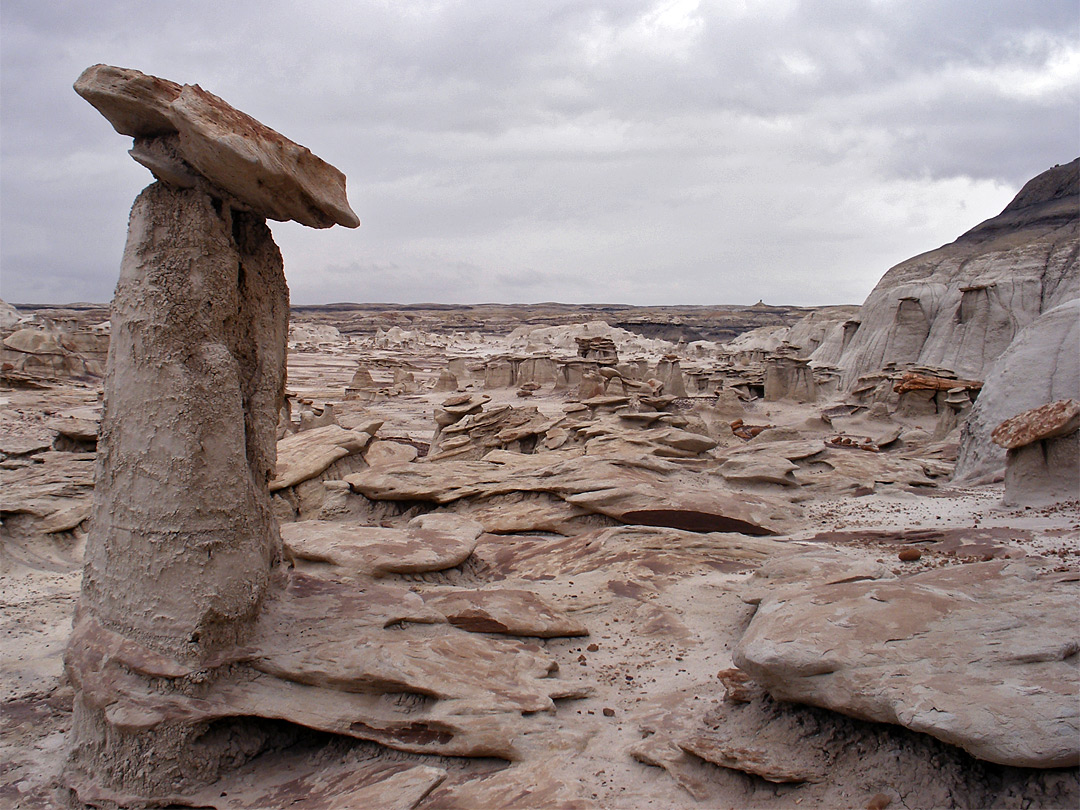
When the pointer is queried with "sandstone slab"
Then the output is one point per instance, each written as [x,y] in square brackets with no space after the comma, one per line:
[640,491]
[389,452]
[263,170]
[429,543]
[1044,422]
[507,611]
[304,455]
[626,553]
[981,656]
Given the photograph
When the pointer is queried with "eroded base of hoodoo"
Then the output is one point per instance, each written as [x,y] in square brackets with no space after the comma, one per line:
[114,765]
[184,542]
[337,649]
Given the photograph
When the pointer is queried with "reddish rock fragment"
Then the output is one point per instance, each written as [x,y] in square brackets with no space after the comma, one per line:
[1045,422]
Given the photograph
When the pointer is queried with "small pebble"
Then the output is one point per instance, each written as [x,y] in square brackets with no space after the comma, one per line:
[909,555]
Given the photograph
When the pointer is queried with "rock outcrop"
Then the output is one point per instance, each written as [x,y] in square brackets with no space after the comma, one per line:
[960,306]
[1041,366]
[184,543]
[644,491]
[46,353]
[980,655]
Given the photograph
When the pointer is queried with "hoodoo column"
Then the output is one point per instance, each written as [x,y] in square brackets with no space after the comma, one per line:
[183,544]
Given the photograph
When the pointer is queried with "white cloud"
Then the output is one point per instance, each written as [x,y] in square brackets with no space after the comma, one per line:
[646,151]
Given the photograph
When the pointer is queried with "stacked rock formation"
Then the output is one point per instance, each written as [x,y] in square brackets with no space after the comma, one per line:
[1043,461]
[184,542]
[600,349]
[189,632]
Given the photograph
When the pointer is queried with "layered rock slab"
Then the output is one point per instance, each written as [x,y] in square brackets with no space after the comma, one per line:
[324,659]
[304,455]
[182,131]
[370,661]
[507,611]
[647,492]
[982,656]
[826,759]
[429,543]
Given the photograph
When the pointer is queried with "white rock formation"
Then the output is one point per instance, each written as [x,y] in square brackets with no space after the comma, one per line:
[1042,365]
[9,316]
[564,338]
[959,307]
[314,335]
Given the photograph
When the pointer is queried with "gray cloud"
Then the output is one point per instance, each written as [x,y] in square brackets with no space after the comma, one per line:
[641,151]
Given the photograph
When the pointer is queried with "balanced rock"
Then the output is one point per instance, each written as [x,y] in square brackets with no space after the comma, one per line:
[182,132]
[183,549]
[1042,465]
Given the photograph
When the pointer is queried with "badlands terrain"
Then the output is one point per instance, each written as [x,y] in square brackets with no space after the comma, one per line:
[627,544]
[538,557]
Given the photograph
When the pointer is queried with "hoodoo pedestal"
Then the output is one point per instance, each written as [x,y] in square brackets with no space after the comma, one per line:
[184,544]
[184,539]
[183,535]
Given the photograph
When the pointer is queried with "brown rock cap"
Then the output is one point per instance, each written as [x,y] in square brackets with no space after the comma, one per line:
[1045,422]
[181,131]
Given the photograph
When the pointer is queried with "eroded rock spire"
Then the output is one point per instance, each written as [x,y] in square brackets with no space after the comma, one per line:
[184,544]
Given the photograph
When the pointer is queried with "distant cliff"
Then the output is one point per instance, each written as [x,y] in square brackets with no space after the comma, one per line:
[960,306]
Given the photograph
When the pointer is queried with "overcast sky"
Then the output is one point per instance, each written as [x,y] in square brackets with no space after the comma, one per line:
[623,151]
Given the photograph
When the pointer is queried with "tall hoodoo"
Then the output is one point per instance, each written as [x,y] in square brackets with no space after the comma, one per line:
[184,543]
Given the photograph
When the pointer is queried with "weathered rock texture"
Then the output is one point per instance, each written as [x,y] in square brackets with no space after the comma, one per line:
[201,313]
[982,656]
[1041,366]
[51,353]
[960,306]
[184,541]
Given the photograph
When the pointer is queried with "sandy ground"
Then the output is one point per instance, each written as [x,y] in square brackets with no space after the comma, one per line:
[659,647]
